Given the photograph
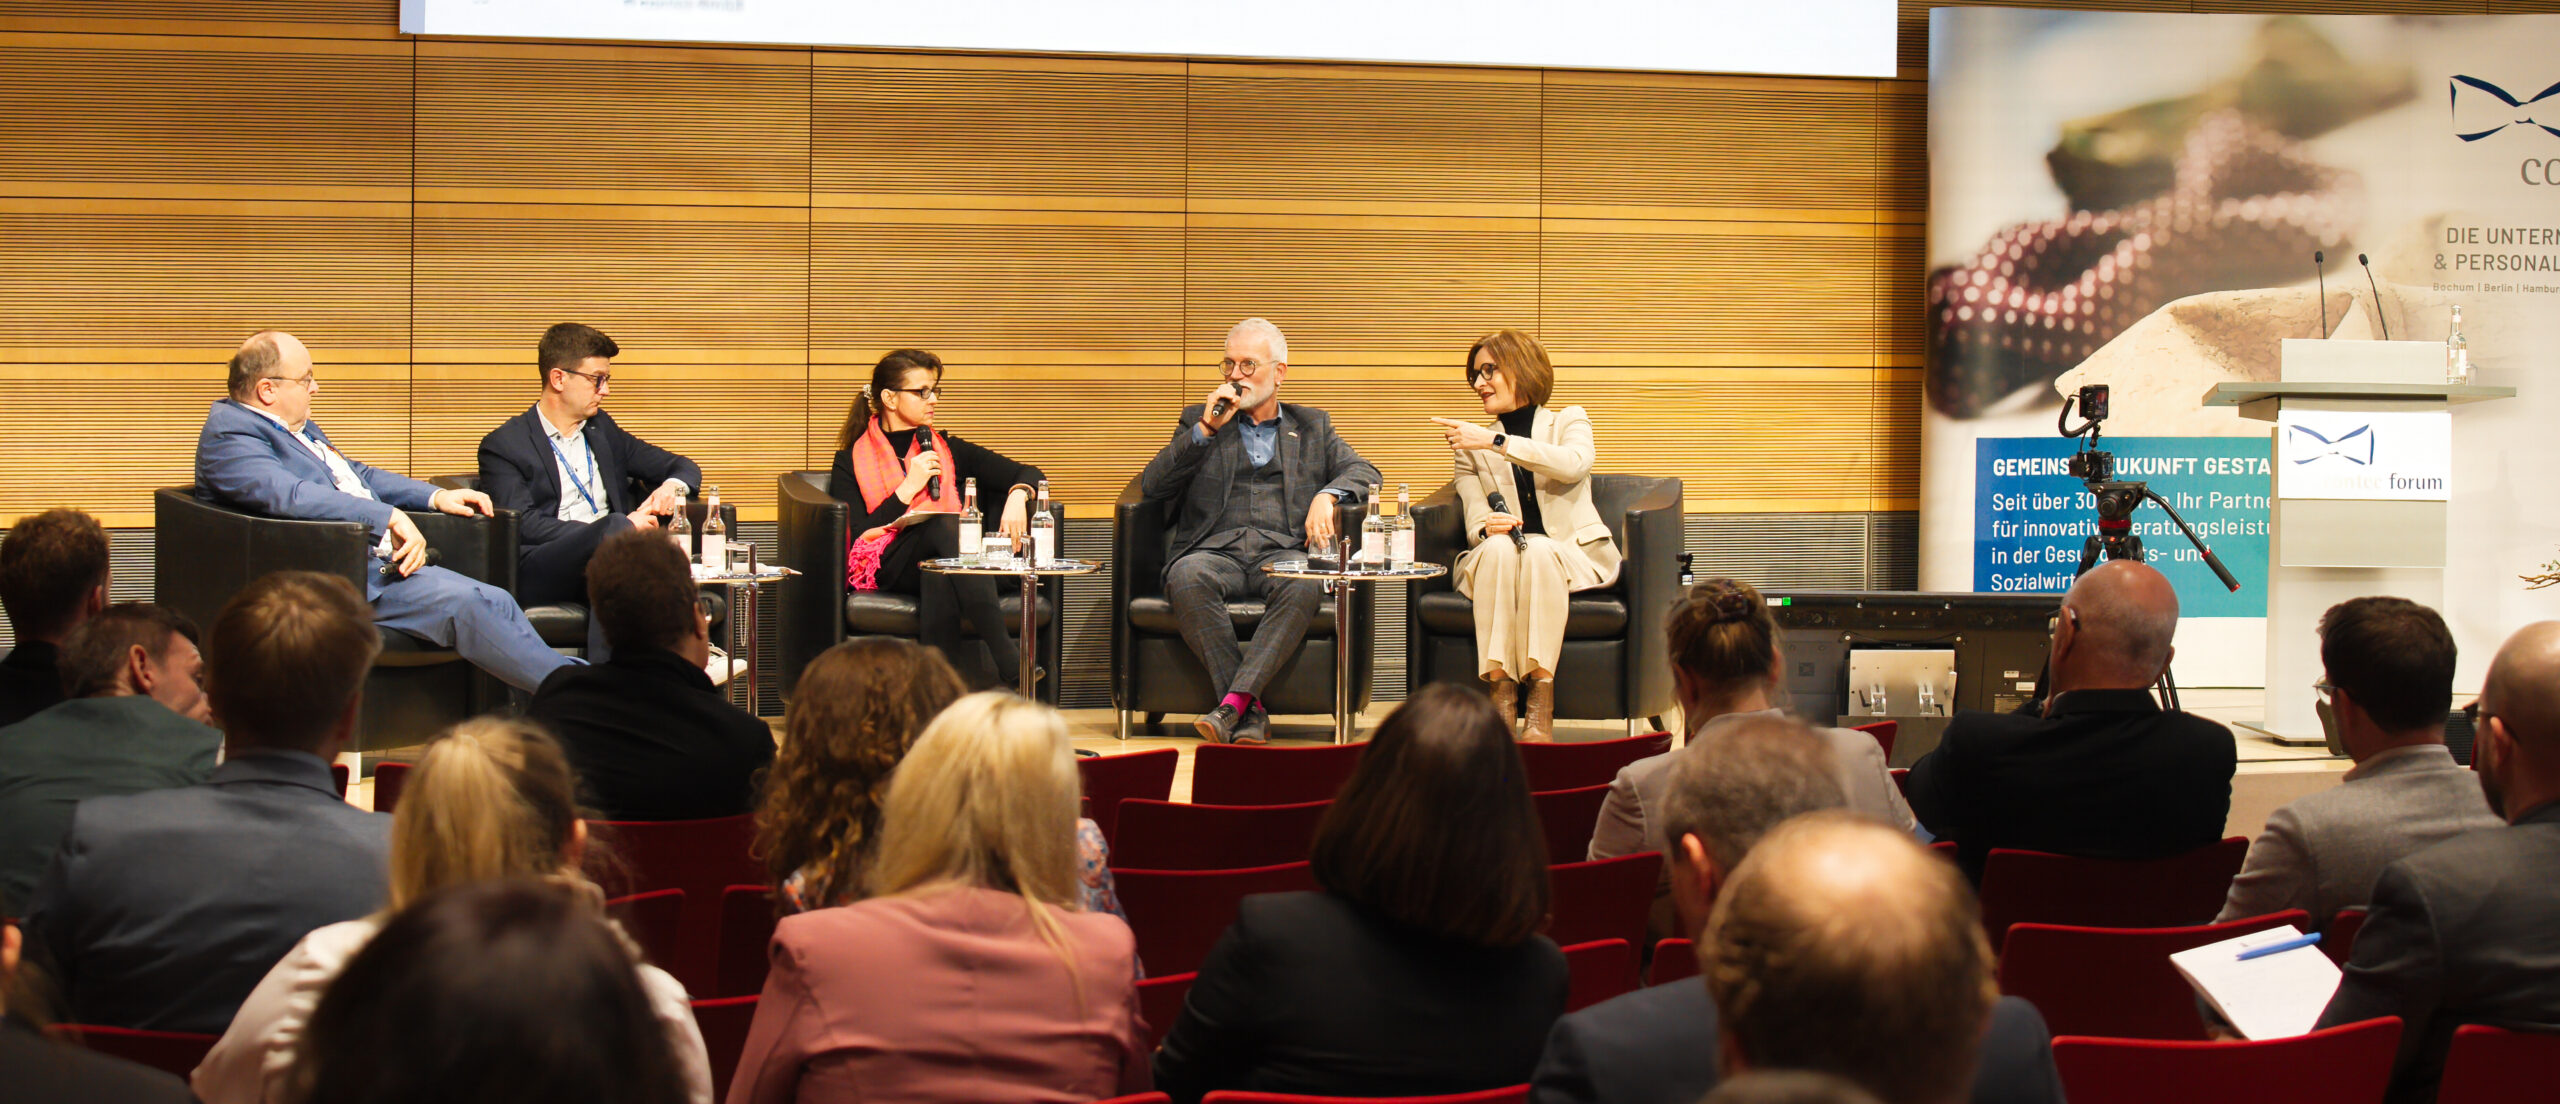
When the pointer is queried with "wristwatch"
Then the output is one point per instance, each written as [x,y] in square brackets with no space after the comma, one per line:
[1498,439]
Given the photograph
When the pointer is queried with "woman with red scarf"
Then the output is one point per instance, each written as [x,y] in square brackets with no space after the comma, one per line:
[886,454]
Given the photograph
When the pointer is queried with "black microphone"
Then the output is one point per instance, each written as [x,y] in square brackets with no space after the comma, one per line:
[1518,538]
[391,567]
[932,485]
[1219,408]
[2320,270]
[2377,296]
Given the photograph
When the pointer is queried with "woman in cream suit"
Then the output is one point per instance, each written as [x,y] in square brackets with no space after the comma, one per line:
[1539,461]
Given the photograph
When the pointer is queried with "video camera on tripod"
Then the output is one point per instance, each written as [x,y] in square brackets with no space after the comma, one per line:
[2095,468]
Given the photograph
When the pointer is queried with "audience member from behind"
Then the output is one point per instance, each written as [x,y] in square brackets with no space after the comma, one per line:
[2468,931]
[39,1070]
[2389,681]
[163,909]
[492,799]
[1649,1046]
[1725,670]
[508,992]
[53,576]
[1418,970]
[1790,1087]
[2105,772]
[649,734]
[1842,946]
[134,722]
[969,974]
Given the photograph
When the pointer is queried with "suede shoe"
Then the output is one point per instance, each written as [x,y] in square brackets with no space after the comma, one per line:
[1218,725]
[1254,729]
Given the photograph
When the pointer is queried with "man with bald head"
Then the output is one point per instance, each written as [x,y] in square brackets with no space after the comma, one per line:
[2105,772]
[261,452]
[2468,931]
[1843,947]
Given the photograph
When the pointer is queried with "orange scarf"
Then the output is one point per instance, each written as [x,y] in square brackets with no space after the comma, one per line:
[877,471]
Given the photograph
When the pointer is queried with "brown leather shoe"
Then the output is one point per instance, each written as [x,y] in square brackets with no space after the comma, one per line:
[1506,701]
[1540,727]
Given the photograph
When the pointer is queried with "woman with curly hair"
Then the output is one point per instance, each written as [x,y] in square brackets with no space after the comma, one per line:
[858,709]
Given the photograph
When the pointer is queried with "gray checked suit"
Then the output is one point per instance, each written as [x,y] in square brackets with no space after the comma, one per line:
[2323,852]
[1229,518]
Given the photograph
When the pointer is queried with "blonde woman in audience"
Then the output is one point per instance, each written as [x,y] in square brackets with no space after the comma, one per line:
[969,974]
[491,799]
[859,708]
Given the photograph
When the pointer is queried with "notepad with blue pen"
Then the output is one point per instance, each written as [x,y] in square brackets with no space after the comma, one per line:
[2277,993]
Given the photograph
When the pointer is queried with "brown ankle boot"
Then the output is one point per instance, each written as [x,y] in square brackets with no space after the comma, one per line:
[1541,725]
[1506,700]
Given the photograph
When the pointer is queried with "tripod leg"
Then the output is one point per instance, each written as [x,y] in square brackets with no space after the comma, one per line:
[2088,556]
[2167,688]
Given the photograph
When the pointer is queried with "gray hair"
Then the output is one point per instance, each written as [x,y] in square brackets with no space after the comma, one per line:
[1262,328]
[1734,782]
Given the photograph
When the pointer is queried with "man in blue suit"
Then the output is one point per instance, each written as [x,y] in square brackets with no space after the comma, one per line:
[260,451]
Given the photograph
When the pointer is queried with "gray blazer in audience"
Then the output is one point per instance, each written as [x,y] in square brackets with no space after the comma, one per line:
[163,909]
[2322,853]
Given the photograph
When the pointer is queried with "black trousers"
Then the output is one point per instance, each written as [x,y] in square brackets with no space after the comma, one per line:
[944,602]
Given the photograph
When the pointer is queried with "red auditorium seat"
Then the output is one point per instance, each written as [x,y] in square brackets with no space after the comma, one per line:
[178,1052]
[2338,940]
[1164,835]
[1160,1003]
[655,921]
[1567,817]
[388,780]
[2491,1065]
[338,776]
[746,938]
[1601,969]
[1901,781]
[2116,982]
[1603,898]
[1884,732]
[1231,774]
[2031,886]
[1177,915]
[1591,763]
[1516,1094]
[2350,1064]
[1673,960]
[702,858]
[1109,779]
[724,1024]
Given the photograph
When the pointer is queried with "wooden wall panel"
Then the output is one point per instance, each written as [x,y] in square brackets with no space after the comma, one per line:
[623,124]
[1358,290]
[202,117]
[1748,148]
[901,131]
[996,287]
[1710,293]
[1090,427]
[1343,138]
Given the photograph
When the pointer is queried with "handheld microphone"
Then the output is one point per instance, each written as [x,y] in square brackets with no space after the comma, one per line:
[2320,271]
[391,568]
[1501,506]
[932,486]
[1219,408]
[2377,296]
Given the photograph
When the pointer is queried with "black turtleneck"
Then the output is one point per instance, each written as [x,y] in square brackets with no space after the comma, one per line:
[1518,423]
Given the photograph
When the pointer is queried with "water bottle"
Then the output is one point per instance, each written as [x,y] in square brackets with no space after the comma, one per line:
[715,534]
[1044,530]
[1373,536]
[1400,540]
[680,530]
[972,524]
[2457,353]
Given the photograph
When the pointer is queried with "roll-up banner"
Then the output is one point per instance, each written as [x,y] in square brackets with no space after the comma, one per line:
[2135,200]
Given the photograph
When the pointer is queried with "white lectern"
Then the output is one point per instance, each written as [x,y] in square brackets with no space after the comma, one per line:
[2364,463]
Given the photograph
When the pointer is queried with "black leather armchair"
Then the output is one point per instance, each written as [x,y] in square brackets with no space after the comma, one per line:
[819,611]
[208,552]
[1152,669]
[1616,661]
[563,625]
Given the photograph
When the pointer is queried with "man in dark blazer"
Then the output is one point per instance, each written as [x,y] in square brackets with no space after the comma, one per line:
[162,910]
[1239,500]
[261,451]
[650,737]
[571,474]
[2105,772]
[2468,931]
[1726,789]
[135,721]
[53,576]
[39,1070]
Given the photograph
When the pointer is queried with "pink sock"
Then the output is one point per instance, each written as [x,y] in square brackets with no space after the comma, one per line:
[1243,702]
